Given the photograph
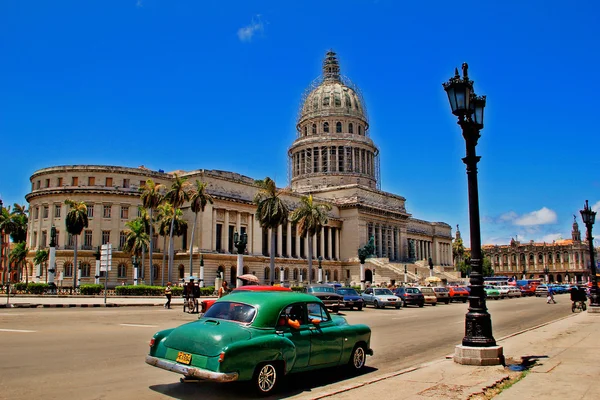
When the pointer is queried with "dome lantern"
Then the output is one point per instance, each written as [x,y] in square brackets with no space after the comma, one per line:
[331,67]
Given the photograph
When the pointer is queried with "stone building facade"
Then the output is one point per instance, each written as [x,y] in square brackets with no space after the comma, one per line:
[332,157]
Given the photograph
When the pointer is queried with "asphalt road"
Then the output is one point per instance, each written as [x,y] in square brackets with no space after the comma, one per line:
[99,353]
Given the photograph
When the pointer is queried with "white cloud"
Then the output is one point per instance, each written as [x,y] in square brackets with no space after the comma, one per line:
[509,216]
[246,33]
[539,217]
[549,238]
[596,207]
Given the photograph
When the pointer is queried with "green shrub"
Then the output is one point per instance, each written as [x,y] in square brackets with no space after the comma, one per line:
[37,288]
[146,290]
[176,291]
[297,288]
[22,286]
[91,289]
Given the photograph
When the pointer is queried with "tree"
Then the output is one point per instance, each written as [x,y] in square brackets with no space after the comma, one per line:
[271,212]
[458,251]
[165,211]
[75,222]
[310,217]
[198,200]
[177,195]
[7,226]
[18,256]
[41,258]
[136,237]
[151,197]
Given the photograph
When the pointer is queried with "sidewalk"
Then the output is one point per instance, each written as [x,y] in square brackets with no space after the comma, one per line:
[89,301]
[565,365]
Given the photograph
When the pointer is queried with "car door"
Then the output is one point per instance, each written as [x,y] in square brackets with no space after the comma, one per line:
[301,337]
[326,336]
[368,296]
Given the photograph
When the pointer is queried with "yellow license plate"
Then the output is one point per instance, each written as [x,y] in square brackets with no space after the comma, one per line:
[184,358]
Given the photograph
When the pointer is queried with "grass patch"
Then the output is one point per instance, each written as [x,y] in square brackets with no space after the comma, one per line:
[499,387]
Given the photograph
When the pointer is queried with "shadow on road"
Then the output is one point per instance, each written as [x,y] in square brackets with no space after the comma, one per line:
[292,385]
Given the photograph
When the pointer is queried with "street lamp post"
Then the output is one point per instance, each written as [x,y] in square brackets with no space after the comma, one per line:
[546,272]
[405,273]
[320,269]
[589,217]
[240,242]
[430,266]
[524,273]
[469,107]
[134,261]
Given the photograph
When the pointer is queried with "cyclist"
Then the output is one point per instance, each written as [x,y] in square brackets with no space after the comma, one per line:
[578,295]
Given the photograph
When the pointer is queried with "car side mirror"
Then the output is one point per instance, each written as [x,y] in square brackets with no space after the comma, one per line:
[315,321]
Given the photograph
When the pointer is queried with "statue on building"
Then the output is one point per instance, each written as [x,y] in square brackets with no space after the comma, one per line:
[367,250]
[53,236]
[411,250]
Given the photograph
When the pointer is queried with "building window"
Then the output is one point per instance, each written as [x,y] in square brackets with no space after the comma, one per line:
[68,267]
[122,270]
[360,130]
[337,100]
[126,183]
[87,239]
[338,127]
[305,130]
[142,184]
[34,239]
[218,244]
[105,237]
[57,211]
[56,239]
[59,182]
[124,212]
[267,273]
[90,210]
[350,128]
[47,184]
[122,239]
[326,127]
[44,239]
[155,272]
[85,270]
[140,210]
[109,182]
[315,104]
[326,101]
[71,240]
[36,214]
[107,208]
[37,184]
[314,129]
[181,271]
[46,211]
[74,181]
[348,102]
[91,181]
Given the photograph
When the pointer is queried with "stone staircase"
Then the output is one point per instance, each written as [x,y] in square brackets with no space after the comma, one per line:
[416,272]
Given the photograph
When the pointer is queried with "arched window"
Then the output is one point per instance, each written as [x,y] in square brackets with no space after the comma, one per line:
[267,273]
[155,269]
[348,102]
[335,275]
[313,275]
[295,274]
[233,275]
[305,274]
[326,127]
[286,274]
[540,258]
[338,127]
[85,270]
[314,128]
[181,271]
[337,100]
[326,101]
[68,269]
[221,272]
[350,128]
[360,130]
[315,104]
[122,270]
[305,130]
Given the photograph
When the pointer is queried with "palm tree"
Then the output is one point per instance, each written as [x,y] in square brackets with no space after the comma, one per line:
[136,238]
[41,258]
[20,219]
[177,195]
[18,256]
[310,218]
[75,222]
[199,199]
[165,211]
[7,227]
[151,197]
[271,212]
[145,220]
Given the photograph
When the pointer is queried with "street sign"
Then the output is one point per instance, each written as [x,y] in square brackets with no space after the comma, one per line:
[106,257]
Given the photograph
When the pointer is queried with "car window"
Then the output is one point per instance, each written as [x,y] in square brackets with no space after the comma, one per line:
[347,292]
[383,292]
[231,311]
[294,312]
[321,289]
[318,312]
[368,291]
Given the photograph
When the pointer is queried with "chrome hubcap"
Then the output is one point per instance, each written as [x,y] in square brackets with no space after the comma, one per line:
[266,378]
[359,358]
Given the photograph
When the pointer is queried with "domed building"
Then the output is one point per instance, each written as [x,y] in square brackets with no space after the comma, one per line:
[332,157]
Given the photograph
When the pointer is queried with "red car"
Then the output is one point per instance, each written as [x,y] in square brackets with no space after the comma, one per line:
[527,290]
[458,293]
[206,304]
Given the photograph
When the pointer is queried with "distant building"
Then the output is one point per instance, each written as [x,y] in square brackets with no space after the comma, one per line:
[332,157]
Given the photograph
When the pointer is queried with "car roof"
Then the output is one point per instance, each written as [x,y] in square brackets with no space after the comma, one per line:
[261,288]
[268,304]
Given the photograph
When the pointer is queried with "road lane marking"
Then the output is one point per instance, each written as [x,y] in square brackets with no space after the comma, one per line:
[140,325]
[16,330]
[9,314]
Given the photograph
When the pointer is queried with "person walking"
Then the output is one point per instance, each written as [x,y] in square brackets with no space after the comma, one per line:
[168,293]
[223,289]
[550,297]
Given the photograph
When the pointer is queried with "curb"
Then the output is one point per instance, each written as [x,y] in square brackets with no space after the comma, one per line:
[32,305]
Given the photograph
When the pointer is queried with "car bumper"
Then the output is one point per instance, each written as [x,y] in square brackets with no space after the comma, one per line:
[352,303]
[189,371]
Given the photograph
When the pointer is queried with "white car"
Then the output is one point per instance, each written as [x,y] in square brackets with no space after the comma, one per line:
[381,297]
[504,291]
[514,292]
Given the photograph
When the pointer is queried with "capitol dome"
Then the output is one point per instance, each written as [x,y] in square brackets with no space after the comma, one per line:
[332,147]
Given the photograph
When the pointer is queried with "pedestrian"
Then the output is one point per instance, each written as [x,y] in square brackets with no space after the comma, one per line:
[168,295]
[223,289]
[550,297]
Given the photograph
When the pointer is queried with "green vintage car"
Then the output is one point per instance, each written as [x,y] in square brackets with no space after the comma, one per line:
[492,292]
[260,337]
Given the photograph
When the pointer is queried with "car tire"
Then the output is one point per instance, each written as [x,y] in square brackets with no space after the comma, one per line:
[464,300]
[421,304]
[266,378]
[447,301]
[434,304]
[376,304]
[397,307]
[358,358]
[359,308]
[403,303]
[335,310]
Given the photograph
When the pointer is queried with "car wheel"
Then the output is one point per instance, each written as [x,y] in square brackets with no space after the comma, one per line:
[397,307]
[421,304]
[447,301]
[376,304]
[434,304]
[266,378]
[359,308]
[335,310]
[464,300]
[357,358]
[403,303]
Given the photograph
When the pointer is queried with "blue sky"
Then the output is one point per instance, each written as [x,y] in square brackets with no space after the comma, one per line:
[217,85]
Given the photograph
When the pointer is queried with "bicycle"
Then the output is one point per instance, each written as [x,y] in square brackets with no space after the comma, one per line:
[578,306]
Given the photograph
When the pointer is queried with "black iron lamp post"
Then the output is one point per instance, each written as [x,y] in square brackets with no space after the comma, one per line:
[320,269]
[546,272]
[524,273]
[134,261]
[589,217]
[469,107]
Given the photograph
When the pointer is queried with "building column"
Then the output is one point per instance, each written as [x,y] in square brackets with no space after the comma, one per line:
[238,224]
[298,237]
[305,246]
[269,233]
[337,238]
[279,240]
[289,239]
[323,242]
[314,244]
[329,254]
[213,245]
[226,232]
[250,232]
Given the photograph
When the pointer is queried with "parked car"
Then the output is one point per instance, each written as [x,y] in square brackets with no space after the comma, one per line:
[491,292]
[351,298]
[248,337]
[380,297]
[410,295]
[326,293]
[513,291]
[206,304]
[442,294]
[504,291]
[527,290]
[541,291]
[428,295]
[458,293]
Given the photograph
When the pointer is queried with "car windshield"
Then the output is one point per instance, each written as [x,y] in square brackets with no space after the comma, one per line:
[413,290]
[441,289]
[231,311]
[321,289]
[347,292]
[382,292]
